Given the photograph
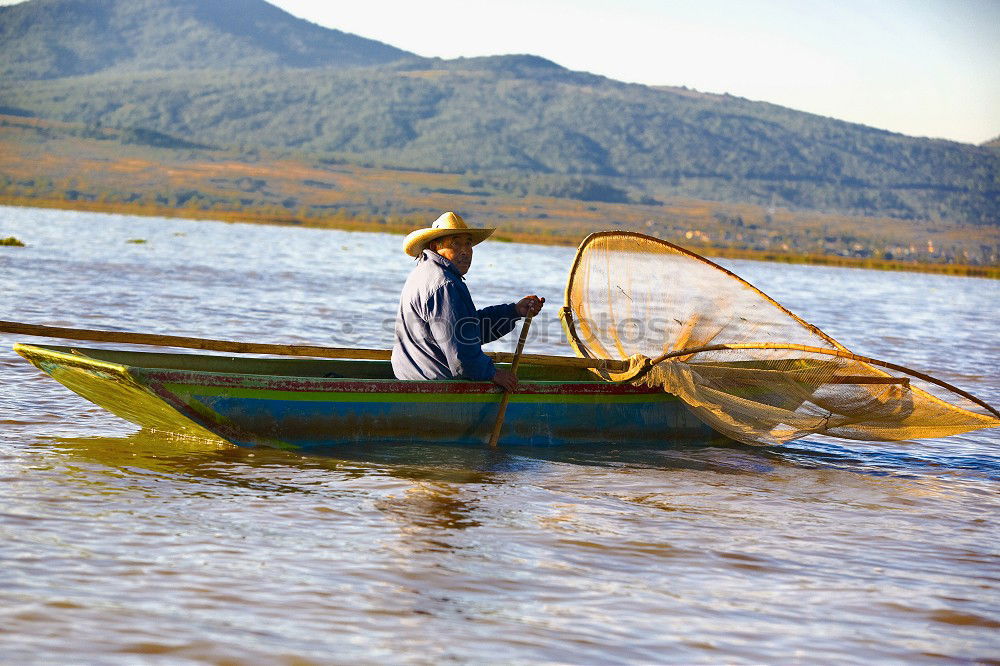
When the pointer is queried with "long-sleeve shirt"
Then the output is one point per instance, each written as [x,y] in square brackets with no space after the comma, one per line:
[439,331]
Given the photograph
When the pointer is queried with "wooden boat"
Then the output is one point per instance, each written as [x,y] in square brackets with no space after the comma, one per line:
[296,403]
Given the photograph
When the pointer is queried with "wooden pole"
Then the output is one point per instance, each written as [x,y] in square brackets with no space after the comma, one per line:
[233,347]
[495,437]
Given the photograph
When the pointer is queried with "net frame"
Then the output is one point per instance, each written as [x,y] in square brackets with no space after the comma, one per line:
[581,348]
[640,366]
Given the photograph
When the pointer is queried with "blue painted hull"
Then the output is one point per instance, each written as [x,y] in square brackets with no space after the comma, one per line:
[291,404]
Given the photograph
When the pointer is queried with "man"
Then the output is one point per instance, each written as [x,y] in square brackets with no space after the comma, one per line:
[439,331]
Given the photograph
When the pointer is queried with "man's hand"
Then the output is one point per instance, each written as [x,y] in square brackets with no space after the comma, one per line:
[529,306]
[505,379]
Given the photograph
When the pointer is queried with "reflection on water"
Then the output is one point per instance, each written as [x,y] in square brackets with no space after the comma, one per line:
[119,546]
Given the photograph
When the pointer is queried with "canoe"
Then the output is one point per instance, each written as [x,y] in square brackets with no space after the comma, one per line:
[296,403]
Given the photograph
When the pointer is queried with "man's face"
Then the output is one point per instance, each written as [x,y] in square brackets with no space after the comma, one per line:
[457,249]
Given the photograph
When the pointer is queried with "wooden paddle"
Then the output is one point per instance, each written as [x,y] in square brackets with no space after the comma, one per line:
[495,437]
[233,347]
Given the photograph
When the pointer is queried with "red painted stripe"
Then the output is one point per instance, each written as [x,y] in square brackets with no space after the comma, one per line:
[275,383]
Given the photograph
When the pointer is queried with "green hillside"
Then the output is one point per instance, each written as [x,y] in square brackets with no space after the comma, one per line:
[45,39]
[520,124]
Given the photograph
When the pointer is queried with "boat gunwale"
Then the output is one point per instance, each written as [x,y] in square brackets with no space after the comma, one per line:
[153,375]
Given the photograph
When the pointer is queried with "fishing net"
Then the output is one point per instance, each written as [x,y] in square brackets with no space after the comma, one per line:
[743,363]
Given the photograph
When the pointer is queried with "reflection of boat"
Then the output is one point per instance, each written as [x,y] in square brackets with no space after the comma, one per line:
[302,403]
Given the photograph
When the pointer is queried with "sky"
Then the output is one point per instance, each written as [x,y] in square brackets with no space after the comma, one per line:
[919,67]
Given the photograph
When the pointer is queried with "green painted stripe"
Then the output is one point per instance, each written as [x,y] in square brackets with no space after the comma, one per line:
[327,396]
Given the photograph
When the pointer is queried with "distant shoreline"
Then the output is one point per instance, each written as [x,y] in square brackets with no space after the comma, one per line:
[379,225]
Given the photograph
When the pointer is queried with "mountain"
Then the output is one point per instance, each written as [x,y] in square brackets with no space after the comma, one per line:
[45,39]
[519,123]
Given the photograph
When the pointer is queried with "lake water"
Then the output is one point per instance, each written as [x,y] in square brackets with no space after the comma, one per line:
[121,547]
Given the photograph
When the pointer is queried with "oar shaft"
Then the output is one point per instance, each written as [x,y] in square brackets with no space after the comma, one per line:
[234,347]
[189,343]
[498,426]
[520,345]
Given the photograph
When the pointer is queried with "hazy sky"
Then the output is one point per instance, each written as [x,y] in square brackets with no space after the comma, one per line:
[920,67]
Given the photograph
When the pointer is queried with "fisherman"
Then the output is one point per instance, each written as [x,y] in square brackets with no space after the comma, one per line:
[439,331]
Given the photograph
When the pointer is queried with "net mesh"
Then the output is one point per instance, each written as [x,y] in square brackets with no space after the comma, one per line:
[743,363]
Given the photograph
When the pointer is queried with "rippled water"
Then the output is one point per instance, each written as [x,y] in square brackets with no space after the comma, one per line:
[118,546]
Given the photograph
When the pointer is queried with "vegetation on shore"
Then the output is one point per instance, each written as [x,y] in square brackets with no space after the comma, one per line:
[537,131]
[63,165]
[380,225]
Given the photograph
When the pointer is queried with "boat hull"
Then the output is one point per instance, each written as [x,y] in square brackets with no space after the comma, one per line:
[204,396]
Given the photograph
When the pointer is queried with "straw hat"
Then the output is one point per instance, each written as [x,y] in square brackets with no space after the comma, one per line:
[446,225]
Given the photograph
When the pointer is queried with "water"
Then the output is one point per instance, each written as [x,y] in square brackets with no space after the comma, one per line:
[122,547]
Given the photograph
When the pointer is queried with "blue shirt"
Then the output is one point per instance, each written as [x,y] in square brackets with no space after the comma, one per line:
[439,331]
